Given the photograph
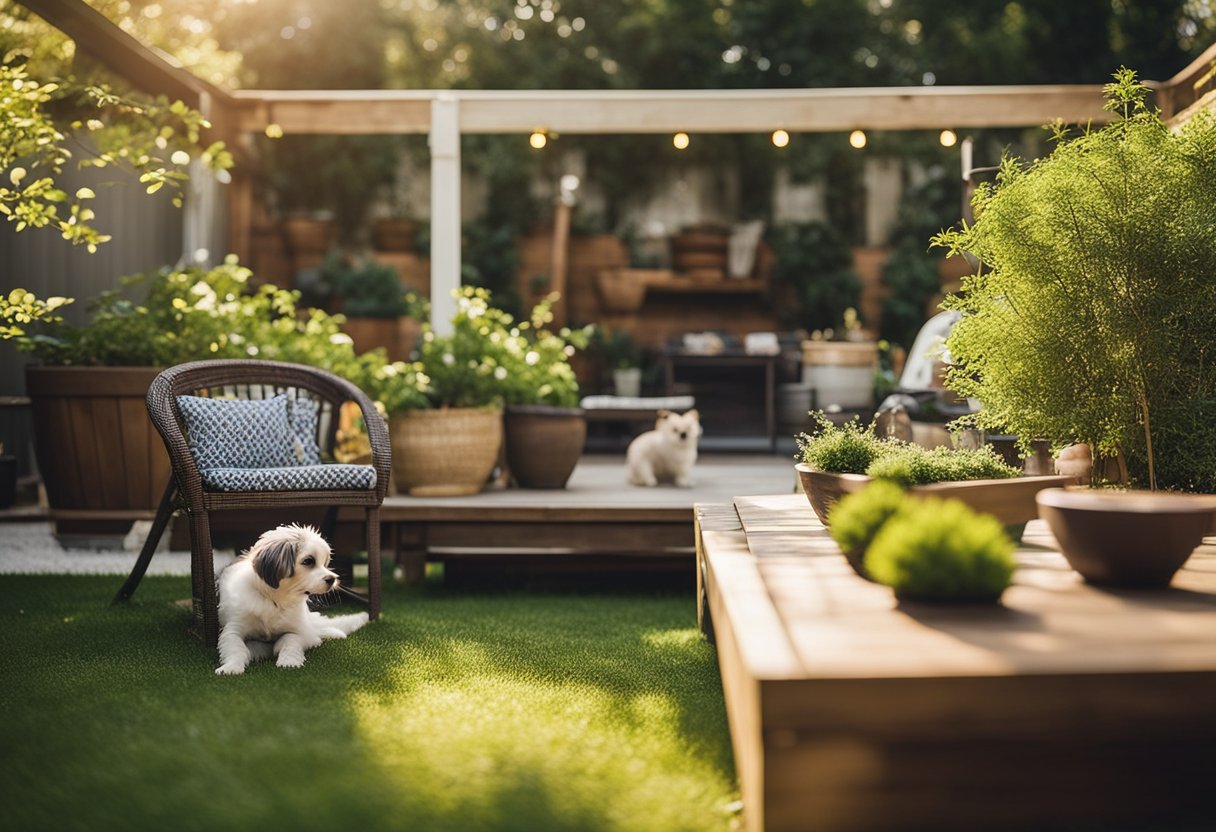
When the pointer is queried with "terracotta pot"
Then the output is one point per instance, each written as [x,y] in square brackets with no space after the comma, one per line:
[396,335]
[1126,538]
[448,452]
[543,443]
[621,290]
[394,235]
[309,240]
[96,448]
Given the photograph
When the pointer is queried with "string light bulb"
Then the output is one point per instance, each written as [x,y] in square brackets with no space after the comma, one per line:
[858,139]
[948,138]
[780,138]
[680,140]
[538,139]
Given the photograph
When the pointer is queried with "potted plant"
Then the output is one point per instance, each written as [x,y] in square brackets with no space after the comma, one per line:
[620,356]
[446,409]
[845,459]
[840,364]
[379,313]
[93,442]
[545,427]
[1091,318]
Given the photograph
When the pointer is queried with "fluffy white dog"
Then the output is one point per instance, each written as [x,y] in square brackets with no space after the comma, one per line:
[263,601]
[667,453]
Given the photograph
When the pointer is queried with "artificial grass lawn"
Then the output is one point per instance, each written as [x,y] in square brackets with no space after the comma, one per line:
[521,711]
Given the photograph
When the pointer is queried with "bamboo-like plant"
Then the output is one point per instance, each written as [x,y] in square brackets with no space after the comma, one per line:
[1093,316]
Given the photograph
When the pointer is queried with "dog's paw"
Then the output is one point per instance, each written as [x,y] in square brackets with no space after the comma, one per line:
[287,660]
[331,632]
[230,669]
[683,482]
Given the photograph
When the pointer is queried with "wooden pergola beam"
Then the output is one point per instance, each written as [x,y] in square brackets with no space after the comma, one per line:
[150,69]
[668,111]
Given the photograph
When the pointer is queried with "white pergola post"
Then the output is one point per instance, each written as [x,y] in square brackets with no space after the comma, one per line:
[444,140]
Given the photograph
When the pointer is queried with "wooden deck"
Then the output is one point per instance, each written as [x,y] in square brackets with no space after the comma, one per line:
[1063,707]
[597,522]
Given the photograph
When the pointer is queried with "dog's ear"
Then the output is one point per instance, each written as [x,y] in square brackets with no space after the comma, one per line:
[274,558]
[696,417]
[663,414]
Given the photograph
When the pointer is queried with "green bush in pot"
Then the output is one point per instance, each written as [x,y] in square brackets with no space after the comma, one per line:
[1092,318]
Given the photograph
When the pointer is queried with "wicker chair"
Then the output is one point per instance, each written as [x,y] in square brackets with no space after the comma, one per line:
[196,492]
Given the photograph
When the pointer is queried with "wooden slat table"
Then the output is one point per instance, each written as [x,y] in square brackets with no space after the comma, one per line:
[848,711]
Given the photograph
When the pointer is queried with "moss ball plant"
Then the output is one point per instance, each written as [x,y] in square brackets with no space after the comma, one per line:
[941,550]
[858,517]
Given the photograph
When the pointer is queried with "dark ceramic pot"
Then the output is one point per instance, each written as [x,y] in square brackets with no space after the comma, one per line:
[1126,538]
[543,443]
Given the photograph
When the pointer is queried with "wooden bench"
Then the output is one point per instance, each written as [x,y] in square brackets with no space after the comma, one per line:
[1067,704]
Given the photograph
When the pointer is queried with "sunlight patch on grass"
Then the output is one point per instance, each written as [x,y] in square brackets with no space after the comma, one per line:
[491,741]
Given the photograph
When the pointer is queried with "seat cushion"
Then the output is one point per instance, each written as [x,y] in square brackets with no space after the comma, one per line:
[251,433]
[291,478]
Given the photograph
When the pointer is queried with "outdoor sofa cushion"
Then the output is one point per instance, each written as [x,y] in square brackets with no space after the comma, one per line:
[251,433]
[294,478]
[263,445]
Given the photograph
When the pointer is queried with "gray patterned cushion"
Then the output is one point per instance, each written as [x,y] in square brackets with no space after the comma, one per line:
[302,416]
[243,433]
[293,478]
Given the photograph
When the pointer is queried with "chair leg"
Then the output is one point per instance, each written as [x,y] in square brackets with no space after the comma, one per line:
[373,563]
[163,513]
[202,571]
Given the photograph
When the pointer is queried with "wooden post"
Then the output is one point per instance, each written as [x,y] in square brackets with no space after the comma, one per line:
[561,258]
[445,210]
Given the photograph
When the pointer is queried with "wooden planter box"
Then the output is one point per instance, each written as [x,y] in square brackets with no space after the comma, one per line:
[101,460]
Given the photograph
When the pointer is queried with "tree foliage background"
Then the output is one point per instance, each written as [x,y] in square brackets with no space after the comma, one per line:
[625,44]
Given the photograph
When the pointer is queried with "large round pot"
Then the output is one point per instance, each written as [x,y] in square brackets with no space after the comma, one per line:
[1126,538]
[544,443]
[394,234]
[309,240]
[841,372]
[101,460]
[397,336]
[449,452]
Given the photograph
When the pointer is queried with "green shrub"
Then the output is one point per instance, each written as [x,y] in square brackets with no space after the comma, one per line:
[848,449]
[941,550]
[1092,318]
[913,465]
[857,517]
[369,289]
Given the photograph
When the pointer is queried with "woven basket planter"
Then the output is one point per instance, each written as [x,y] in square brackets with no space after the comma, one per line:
[445,453]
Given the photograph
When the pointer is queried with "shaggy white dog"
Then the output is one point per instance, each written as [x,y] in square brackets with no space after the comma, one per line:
[667,453]
[263,601]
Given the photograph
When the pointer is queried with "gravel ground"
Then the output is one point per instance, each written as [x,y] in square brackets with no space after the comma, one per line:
[31,548]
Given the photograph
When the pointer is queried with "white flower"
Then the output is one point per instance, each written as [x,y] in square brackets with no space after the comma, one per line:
[532,357]
[449,359]
[500,373]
